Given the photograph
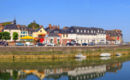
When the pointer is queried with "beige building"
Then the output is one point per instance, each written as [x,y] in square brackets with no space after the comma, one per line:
[11,28]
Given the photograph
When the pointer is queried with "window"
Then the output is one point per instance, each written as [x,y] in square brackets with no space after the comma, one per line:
[40,30]
[94,31]
[77,30]
[58,41]
[88,31]
[66,35]
[51,41]
[23,32]
[84,31]
[81,31]
[98,31]
[63,35]
[91,31]
[72,31]
[55,31]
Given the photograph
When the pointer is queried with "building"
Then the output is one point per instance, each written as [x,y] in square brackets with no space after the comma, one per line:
[84,35]
[22,30]
[11,28]
[53,34]
[54,37]
[114,37]
[39,34]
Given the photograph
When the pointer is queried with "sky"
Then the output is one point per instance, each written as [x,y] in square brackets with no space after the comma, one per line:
[107,14]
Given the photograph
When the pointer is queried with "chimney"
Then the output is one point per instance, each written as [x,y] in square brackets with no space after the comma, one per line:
[50,26]
[41,26]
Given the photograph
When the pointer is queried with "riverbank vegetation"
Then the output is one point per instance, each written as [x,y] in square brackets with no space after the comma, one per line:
[59,52]
[57,63]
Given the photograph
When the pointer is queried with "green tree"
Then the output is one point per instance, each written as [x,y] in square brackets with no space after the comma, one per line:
[34,25]
[15,36]
[6,23]
[1,35]
[6,36]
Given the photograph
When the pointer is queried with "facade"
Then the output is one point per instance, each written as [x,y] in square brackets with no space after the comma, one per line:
[39,34]
[11,28]
[54,37]
[53,34]
[20,29]
[84,35]
[114,37]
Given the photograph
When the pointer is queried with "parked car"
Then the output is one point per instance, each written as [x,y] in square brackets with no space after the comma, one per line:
[69,44]
[29,44]
[40,44]
[91,44]
[50,44]
[77,44]
[4,43]
[19,44]
[84,44]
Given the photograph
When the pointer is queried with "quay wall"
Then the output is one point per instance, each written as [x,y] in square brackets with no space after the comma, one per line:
[59,52]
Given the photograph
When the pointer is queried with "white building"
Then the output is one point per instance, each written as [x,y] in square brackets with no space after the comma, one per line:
[84,35]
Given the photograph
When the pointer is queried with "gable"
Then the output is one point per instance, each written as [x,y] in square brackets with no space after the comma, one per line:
[42,31]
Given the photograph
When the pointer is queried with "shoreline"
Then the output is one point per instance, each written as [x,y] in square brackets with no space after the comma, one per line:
[59,52]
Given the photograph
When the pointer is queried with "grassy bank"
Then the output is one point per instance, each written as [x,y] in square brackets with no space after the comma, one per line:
[57,63]
[60,52]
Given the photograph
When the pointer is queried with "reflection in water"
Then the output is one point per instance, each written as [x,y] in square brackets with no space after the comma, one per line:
[105,58]
[68,73]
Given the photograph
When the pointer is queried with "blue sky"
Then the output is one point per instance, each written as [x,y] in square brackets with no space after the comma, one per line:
[107,14]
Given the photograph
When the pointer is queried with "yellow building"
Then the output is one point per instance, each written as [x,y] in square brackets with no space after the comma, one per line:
[39,32]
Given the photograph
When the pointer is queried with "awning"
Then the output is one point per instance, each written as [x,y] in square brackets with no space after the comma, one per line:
[27,37]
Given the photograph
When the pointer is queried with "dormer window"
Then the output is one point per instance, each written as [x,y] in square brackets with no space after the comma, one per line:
[72,31]
[88,31]
[55,31]
[77,30]
[81,31]
[91,31]
[84,31]
[98,31]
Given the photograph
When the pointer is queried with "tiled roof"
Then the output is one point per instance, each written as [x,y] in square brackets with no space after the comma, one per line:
[84,30]
[37,29]
[53,35]
[11,26]
[114,32]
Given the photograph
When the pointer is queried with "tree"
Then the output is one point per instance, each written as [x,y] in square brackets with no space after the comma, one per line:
[34,25]
[15,36]
[6,23]
[6,36]
[1,35]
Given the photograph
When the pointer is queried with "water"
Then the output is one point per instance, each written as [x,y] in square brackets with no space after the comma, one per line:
[115,68]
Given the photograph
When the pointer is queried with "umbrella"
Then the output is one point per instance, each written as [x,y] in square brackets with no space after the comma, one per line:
[27,37]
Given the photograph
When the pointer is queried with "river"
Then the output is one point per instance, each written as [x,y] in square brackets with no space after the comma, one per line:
[94,68]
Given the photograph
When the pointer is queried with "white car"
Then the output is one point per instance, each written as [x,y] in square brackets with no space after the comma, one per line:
[29,44]
[50,44]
